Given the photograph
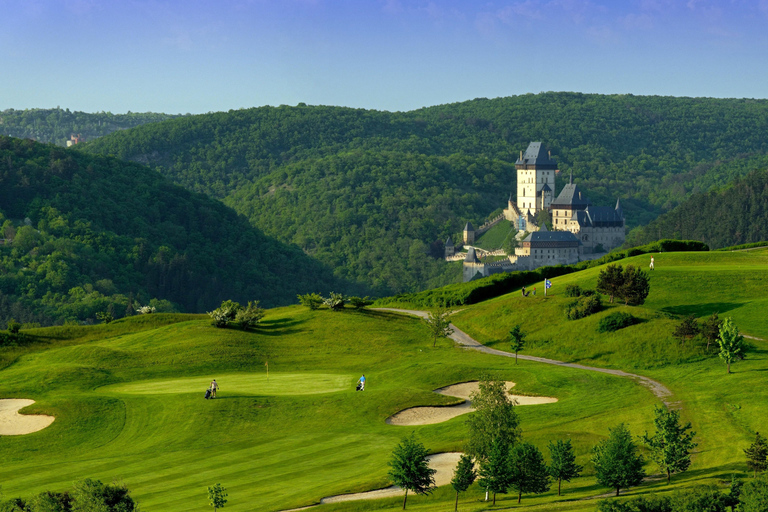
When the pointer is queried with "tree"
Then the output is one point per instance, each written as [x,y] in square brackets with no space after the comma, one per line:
[517,339]
[528,471]
[105,316]
[617,463]
[494,419]
[635,287]
[734,493]
[672,442]
[311,300]
[249,315]
[610,281]
[410,468]
[93,496]
[360,302]
[463,476]
[224,314]
[563,465]
[687,328]
[731,343]
[495,469]
[335,301]
[438,323]
[754,495]
[711,329]
[757,455]
[217,496]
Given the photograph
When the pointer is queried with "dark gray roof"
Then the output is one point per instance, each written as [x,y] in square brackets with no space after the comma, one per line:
[546,188]
[449,242]
[551,236]
[471,256]
[604,216]
[571,197]
[469,227]
[535,155]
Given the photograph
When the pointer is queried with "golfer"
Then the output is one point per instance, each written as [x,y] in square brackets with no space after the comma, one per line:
[214,388]
[361,383]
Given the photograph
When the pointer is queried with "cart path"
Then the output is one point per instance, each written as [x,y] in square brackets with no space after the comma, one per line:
[463,339]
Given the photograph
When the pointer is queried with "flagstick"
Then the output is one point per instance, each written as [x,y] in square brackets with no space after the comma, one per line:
[267,363]
[545,287]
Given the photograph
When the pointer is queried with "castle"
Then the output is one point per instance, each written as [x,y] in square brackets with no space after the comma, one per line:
[579,228]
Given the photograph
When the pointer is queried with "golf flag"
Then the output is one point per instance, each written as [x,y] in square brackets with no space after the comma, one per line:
[547,286]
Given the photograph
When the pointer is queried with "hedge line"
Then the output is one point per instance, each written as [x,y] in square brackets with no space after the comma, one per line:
[499,284]
[743,246]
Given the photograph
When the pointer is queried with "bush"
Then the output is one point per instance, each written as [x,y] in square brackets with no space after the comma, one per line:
[616,321]
[311,300]
[335,301]
[225,313]
[583,307]
[572,290]
[360,303]
[249,316]
[13,326]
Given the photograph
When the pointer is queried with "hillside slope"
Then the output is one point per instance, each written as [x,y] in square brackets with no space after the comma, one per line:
[102,232]
[371,192]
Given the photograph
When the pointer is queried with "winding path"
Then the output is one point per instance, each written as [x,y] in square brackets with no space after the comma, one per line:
[463,339]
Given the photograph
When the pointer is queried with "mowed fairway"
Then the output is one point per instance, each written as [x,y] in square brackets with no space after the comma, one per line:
[128,397]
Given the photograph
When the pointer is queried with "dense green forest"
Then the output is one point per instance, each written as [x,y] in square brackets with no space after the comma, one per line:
[56,125]
[723,217]
[83,234]
[374,193]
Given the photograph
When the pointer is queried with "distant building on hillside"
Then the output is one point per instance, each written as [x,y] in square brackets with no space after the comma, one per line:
[75,139]
[578,227]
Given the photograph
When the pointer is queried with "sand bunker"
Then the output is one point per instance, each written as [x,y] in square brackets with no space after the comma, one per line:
[430,415]
[444,463]
[14,424]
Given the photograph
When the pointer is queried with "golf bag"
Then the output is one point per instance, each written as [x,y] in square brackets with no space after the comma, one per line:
[360,387]
[207,394]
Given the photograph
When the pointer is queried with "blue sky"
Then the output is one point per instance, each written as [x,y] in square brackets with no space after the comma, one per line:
[193,56]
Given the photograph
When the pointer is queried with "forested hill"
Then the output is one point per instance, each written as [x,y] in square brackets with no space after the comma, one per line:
[733,215]
[371,192]
[56,125]
[102,233]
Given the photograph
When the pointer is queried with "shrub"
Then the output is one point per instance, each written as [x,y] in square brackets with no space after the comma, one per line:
[583,306]
[572,290]
[360,303]
[311,300]
[249,316]
[13,326]
[335,301]
[616,321]
[225,313]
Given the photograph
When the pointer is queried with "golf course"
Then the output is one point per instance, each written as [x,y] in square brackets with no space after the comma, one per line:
[288,428]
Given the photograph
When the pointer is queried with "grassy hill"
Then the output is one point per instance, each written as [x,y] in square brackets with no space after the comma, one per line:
[85,233]
[128,396]
[371,193]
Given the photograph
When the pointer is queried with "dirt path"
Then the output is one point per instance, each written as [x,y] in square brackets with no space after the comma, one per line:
[463,339]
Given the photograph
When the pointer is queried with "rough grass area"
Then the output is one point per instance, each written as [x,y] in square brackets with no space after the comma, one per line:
[495,237]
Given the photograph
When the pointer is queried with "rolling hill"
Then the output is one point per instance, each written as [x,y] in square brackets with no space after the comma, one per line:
[374,194]
[104,234]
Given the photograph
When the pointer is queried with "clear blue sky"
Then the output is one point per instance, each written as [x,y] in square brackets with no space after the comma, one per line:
[192,56]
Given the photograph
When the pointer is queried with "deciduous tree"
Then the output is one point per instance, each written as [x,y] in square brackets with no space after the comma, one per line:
[438,323]
[731,343]
[217,496]
[610,281]
[617,463]
[410,468]
[494,419]
[528,472]
[517,339]
[672,442]
[635,286]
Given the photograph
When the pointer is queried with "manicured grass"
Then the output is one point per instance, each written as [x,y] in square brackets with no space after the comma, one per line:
[495,237]
[129,404]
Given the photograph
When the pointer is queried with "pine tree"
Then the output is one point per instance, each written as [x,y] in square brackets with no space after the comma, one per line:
[617,463]
[757,455]
[672,442]
[528,471]
[410,468]
[495,470]
[563,465]
[463,476]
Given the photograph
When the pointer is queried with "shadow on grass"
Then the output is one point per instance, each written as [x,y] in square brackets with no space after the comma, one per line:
[277,327]
[699,310]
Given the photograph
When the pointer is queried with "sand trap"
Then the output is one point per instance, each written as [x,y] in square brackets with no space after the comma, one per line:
[444,463]
[432,414]
[14,424]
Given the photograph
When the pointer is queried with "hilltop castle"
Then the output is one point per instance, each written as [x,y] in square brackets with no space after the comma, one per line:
[579,228]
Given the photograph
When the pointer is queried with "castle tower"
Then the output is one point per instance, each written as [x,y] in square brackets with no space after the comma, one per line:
[535,179]
[469,234]
[450,249]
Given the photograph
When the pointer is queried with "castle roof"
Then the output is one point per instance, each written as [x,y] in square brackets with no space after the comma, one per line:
[551,239]
[469,227]
[599,217]
[535,157]
[546,188]
[449,242]
[471,256]
[571,197]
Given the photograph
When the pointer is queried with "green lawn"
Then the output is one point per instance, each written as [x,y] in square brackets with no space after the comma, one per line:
[128,397]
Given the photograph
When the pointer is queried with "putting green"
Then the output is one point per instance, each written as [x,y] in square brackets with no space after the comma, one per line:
[241,384]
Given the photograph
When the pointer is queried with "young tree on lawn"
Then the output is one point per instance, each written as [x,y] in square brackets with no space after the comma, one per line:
[610,281]
[563,465]
[528,471]
[672,442]
[438,324]
[757,455]
[711,329]
[731,343]
[687,328]
[635,287]
[495,469]
[494,419]
[410,468]
[217,496]
[463,476]
[617,463]
[517,339]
